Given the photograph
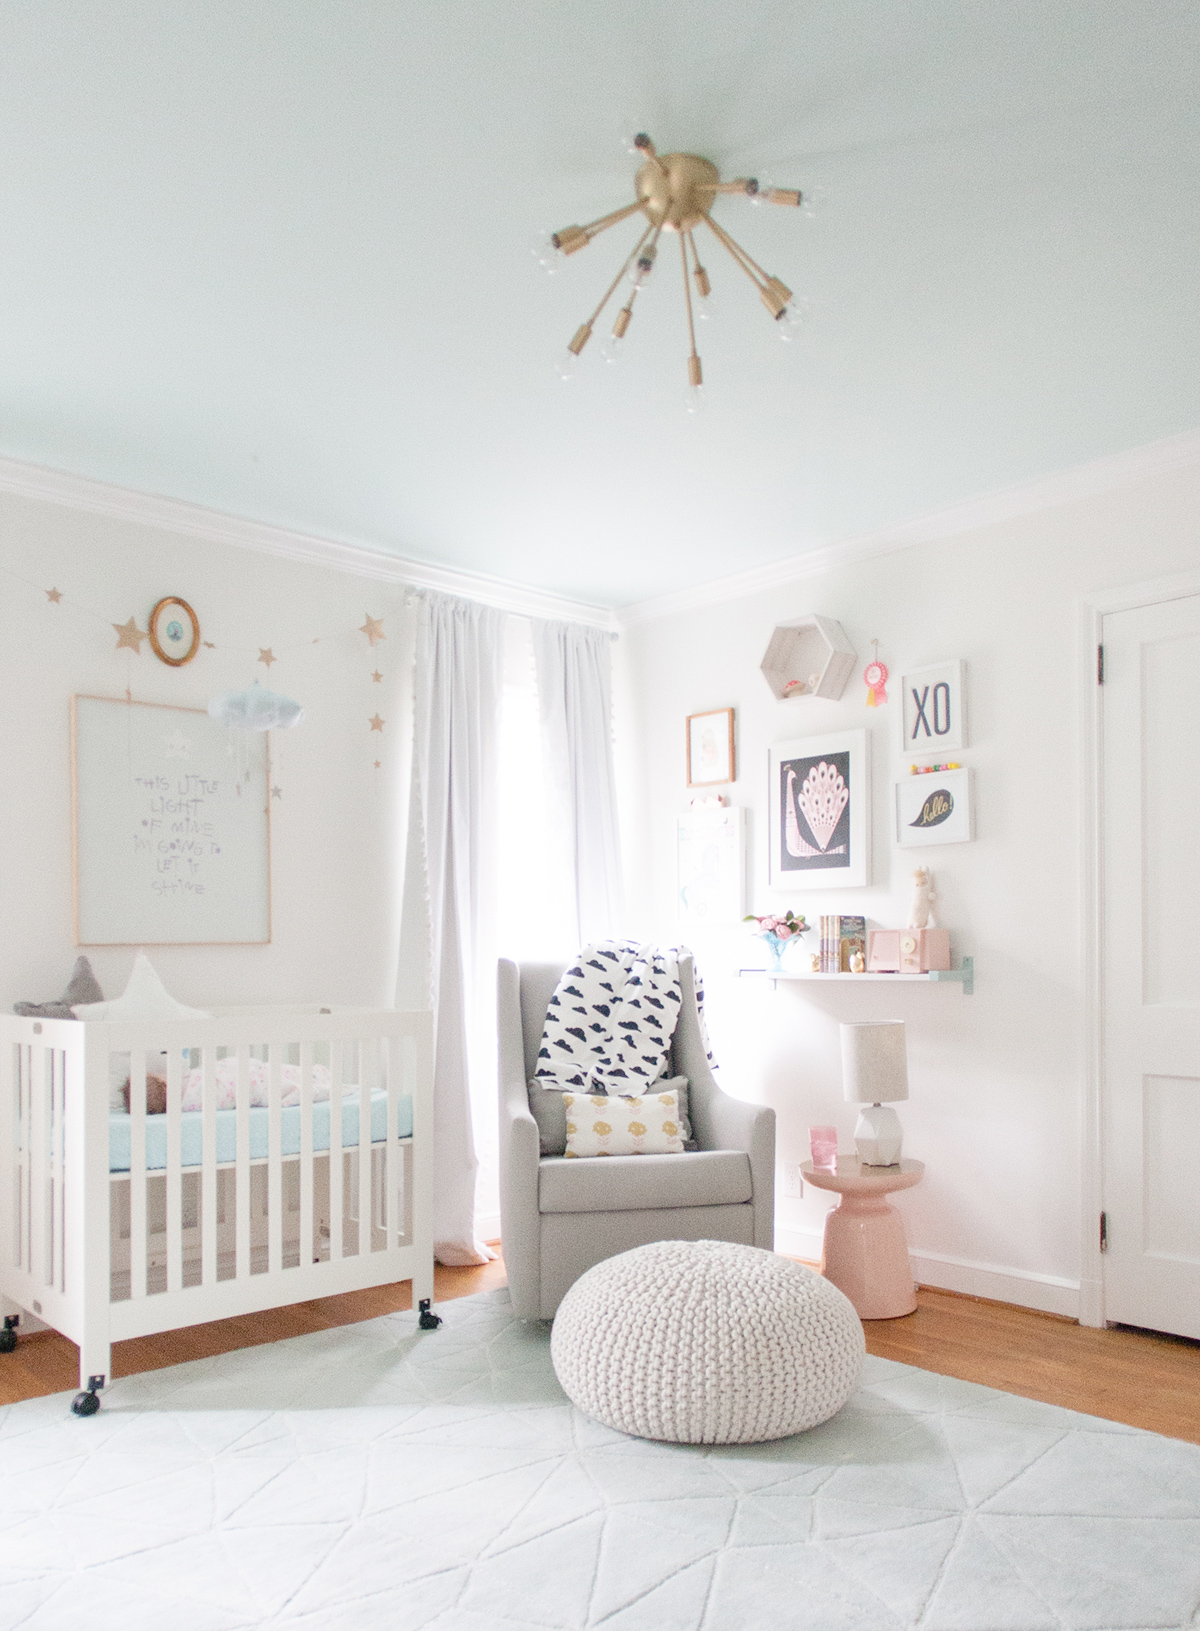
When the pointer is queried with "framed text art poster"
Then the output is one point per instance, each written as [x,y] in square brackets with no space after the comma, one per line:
[933,708]
[934,809]
[820,809]
[171,823]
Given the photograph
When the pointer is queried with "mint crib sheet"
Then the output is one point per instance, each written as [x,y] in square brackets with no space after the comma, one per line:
[192,1131]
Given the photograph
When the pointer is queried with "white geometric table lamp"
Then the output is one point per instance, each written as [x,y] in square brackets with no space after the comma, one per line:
[874,1072]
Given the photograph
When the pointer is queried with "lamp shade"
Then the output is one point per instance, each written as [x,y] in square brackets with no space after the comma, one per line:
[874,1061]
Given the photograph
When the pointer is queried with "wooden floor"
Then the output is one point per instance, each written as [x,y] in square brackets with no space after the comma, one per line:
[1136,1377]
[1128,1376]
[47,1363]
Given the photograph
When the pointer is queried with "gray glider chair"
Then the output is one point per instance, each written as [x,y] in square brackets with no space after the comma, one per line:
[559,1216]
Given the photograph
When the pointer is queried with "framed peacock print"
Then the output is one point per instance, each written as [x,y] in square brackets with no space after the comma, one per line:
[820,812]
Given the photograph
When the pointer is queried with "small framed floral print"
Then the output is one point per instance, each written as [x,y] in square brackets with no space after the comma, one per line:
[710,755]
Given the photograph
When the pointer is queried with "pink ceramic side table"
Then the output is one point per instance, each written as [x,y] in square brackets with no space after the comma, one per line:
[865,1253]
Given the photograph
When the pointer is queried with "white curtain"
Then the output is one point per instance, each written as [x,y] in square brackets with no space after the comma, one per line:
[447,927]
[574,675]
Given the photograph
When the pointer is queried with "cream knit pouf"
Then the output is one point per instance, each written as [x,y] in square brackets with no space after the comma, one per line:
[705,1342]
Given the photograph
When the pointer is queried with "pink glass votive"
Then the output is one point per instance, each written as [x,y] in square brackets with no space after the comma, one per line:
[824,1142]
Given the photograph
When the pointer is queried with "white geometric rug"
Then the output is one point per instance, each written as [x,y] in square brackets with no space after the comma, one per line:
[370,1477]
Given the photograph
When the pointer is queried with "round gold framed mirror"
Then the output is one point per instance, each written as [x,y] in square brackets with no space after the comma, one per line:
[174,631]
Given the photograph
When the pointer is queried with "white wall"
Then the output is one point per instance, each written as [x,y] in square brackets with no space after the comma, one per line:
[337,827]
[997,1078]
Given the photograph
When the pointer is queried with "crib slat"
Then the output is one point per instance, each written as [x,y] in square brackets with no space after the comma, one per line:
[174,1172]
[10,1140]
[366,1081]
[20,1108]
[306,1156]
[138,1248]
[242,1170]
[336,1165]
[58,1193]
[208,1170]
[274,1158]
[391,1148]
[39,1100]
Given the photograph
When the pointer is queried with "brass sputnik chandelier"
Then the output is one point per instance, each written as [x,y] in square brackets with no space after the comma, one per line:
[676,193]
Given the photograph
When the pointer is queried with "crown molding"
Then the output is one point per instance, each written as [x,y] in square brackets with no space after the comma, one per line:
[1004,504]
[195,521]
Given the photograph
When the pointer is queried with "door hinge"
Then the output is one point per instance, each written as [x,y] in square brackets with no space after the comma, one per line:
[1104,1231]
[1099,665]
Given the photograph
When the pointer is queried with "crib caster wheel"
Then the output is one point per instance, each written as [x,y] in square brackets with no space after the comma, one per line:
[428,1321]
[87,1403]
[8,1336]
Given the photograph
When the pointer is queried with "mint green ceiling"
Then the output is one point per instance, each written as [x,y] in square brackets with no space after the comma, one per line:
[272,256]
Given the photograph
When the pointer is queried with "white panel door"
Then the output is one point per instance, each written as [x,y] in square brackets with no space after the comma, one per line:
[1150,835]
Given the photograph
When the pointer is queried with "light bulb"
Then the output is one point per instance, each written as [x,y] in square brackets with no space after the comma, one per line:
[641,268]
[541,247]
[789,325]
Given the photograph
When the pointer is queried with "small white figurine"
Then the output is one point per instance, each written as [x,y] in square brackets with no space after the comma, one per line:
[858,963]
[920,912]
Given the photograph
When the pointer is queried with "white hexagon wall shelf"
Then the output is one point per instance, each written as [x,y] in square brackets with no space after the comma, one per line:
[809,657]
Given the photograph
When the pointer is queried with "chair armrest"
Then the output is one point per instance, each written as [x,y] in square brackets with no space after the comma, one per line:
[731,1124]
[520,1152]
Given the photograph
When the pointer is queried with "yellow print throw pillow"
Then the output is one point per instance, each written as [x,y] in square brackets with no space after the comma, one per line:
[600,1125]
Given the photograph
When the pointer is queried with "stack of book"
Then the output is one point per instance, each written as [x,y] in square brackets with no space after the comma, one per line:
[841,936]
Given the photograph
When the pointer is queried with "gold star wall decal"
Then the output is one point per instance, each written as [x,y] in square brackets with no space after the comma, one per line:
[208,644]
[377,676]
[128,634]
[276,792]
[54,595]
[373,629]
[376,723]
[377,763]
[267,656]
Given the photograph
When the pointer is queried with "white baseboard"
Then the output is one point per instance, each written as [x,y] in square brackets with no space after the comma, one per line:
[805,1243]
[1048,1293]
[487,1226]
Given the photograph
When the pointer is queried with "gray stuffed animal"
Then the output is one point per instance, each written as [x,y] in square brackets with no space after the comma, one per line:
[83,986]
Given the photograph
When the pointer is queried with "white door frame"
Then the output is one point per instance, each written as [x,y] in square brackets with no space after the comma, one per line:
[1091,628]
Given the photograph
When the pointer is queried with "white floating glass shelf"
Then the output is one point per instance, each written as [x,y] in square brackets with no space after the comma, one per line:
[964,975]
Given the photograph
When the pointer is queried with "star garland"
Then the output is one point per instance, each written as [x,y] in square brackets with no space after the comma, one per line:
[130,638]
[372,627]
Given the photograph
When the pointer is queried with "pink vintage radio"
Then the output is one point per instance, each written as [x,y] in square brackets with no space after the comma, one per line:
[908,951]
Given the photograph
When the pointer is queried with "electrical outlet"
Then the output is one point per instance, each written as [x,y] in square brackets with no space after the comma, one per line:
[793,1184]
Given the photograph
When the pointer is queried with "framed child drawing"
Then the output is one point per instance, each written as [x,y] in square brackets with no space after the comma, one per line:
[820,812]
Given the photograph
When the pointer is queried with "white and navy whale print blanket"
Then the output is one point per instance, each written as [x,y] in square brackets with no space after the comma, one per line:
[611,1019]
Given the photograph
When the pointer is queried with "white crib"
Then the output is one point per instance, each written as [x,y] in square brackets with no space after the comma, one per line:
[120,1225]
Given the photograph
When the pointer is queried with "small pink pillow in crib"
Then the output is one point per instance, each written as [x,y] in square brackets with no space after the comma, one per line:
[258,1076]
